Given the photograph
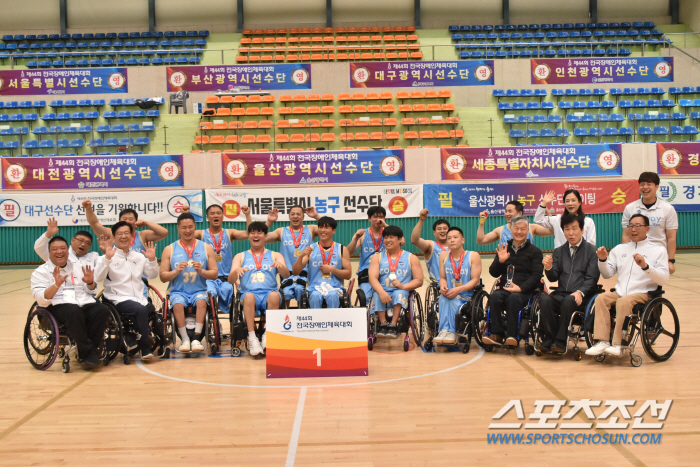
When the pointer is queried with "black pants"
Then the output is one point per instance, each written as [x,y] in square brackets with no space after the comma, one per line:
[139,315]
[512,303]
[86,324]
[556,325]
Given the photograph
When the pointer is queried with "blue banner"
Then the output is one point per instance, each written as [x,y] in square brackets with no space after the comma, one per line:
[614,70]
[421,74]
[265,77]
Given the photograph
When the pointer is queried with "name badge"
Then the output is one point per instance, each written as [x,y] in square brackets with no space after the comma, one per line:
[69,295]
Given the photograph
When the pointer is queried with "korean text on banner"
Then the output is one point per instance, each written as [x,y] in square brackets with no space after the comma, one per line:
[601,70]
[682,193]
[678,158]
[421,74]
[243,77]
[63,81]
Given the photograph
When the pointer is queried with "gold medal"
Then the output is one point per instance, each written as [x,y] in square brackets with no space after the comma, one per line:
[326,276]
[261,277]
[190,263]
[456,283]
[392,276]
[218,258]
[297,253]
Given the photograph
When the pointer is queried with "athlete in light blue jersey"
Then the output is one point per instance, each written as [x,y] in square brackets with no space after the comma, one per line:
[502,233]
[328,263]
[371,242]
[187,264]
[293,240]
[459,274]
[392,275]
[431,248]
[257,270]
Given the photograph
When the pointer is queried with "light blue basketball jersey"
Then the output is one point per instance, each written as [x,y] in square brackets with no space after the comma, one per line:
[403,270]
[368,250]
[188,281]
[315,262]
[464,277]
[433,263]
[226,250]
[506,234]
[250,281]
[287,247]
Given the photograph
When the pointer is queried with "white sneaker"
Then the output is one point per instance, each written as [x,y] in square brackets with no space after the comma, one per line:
[254,346]
[598,349]
[197,346]
[614,350]
[185,347]
[451,338]
[264,341]
[440,337]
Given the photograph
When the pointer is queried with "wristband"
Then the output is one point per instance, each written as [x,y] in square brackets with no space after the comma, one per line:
[543,207]
[646,268]
[482,221]
[602,260]
[672,261]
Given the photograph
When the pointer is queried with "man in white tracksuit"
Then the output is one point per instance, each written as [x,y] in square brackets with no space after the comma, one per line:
[641,266]
[122,269]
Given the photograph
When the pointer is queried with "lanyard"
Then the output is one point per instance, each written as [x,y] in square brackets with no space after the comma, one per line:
[457,271]
[188,250]
[217,245]
[258,261]
[393,266]
[133,238]
[323,253]
[294,238]
[376,242]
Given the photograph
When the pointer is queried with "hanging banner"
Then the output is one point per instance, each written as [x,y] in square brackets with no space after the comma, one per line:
[682,193]
[313,168]
[678,158]
[572,161]
[242,77]
[24,209]
[421,74]
[464,200]
[92,172]
[601,70]
[339,202]
[63,81]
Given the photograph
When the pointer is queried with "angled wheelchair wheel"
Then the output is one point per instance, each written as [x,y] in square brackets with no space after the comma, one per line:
[360,298]
[536,321]
[41,338]
[371,328]
[480,305]
[660,329]
[114,336]
[416,316]
[213,327]
[304,301]
[432,317]
[156,299]
[588,334]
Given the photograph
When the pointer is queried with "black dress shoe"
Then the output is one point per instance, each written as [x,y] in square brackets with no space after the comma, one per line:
[559,347]
[544,346]
[92,359]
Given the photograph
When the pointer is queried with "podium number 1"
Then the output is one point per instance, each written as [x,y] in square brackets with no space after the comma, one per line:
[317,352]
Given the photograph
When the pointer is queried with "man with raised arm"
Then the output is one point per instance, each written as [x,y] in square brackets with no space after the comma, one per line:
[431,249]
[503,233]
[79,249]
[371,241]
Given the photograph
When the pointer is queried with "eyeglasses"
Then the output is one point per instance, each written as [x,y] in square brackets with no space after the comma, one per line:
[83,242]
[123,234]
[637,226]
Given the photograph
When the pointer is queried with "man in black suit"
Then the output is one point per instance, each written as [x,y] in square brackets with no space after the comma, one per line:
[575,266]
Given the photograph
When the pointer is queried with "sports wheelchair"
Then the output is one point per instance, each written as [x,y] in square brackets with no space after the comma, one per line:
[655,321]
[463,320]
[344,297]
[412,318]
[211,331]
[360,298]
[45,339]
[239,327]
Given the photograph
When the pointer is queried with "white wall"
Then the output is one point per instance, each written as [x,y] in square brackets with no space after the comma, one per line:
[548,11]
[121,15]
[185,14]
[634,10]
[263,13]
[690,14]
[35,16]
[441,13]
[372,12]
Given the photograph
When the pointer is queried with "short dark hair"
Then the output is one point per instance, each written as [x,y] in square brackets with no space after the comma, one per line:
[376,210]
[392,231]
[57,238]
[454,228]
[649,177]
[214,206]
[327,221]
[83,233]
[440,222]
[296,206]
[129,211]
[257,226]
[121,224]
[646,219]
[184,216]
[518,205]
[567,218]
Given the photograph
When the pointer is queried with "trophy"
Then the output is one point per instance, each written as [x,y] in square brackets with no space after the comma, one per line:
[509,277]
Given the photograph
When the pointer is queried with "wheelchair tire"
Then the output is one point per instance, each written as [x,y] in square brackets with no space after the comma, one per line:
[360,298]
[213,327]
[41,338]
[652,328]
[432,318]
[535,321]
[416,318]
[304,302]
[479,318]
[113,336]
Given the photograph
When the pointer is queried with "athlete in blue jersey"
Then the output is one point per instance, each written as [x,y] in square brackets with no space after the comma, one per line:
[503,233]
[187,264]
[392,275]
[459,274]
[329,263]
[431,248]
[293,240]
[371,242]
[257,270]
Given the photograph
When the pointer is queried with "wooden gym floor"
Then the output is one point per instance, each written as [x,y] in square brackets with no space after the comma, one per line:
[414,409]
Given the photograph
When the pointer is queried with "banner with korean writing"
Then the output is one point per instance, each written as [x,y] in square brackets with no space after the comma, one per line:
[63,81]
[92,172]
[678,158]
[682,193]
[339,202]
[590,160]
[242,77]
[467,200]
[420,74]
[27,209]
[601,70]
[313,168]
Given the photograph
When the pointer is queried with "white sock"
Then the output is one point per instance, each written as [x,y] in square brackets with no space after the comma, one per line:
[184,337]
[251,335]
[198,328]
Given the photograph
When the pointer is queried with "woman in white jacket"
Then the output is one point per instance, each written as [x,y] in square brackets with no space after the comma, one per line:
[572,203]
[122,269]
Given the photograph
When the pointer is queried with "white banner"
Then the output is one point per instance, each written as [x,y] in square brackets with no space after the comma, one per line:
[339,202]
[22,209]
[682,193]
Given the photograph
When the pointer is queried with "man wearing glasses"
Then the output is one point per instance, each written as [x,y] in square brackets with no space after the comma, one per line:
[79,249]
[663,220]
[641,266]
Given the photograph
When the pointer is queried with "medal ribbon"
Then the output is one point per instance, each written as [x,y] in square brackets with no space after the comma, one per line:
[188,250]
[442,248]
[258,261]
[457,270]
[294,238]
[133,238]
[393,266]
[217,245]
[376,242]
[323,254]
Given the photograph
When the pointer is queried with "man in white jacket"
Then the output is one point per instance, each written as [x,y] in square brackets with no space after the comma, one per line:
[79,249]
[641,266]
[121,268]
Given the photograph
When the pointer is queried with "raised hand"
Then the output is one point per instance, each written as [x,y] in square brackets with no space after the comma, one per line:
[88,275]
[602,253]
[548,197]
[107,246]
[87,204]
[245,210]
[58,278]
[547,262]
[273,215]
[139,223]
[640,260]
[424,214]
[503,253]
[484,214]
[150,252]
[358,234]
[185,209]
[311,211]
[52,227]
[307,251]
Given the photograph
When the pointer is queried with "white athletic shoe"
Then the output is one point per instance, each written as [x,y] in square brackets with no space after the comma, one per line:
[264,341]
[197,346]
[254,346]
[598,349]
[451,338]
[440,337]
[614,350]
[185,347]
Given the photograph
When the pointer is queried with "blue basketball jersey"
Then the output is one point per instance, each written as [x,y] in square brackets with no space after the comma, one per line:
[368,250]
[188,281]
[315,262]
[433,263]
[506,234]
[403,270]
[226,250]
[287,248]
[465,274]
[251,281]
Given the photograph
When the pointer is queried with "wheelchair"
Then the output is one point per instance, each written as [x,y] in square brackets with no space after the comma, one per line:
[655,321]
[463,320]
[239,327]
[482,311]
[360,298]
[45,340]
[411,319]
[344,297]
[211,332]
